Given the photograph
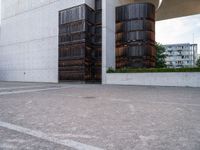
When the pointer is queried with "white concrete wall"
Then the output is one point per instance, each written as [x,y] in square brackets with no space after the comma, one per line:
[29,39]
[155,79]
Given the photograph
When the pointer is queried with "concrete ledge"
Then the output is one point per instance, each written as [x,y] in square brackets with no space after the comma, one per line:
[190,79]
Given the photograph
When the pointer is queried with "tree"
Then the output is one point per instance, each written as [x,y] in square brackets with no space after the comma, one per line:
[160,56]
[198,63]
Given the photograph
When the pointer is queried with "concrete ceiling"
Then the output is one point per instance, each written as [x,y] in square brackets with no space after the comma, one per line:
[174,8]
[178,8]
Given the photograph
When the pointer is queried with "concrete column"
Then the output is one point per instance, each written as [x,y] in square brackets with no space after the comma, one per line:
[108,36]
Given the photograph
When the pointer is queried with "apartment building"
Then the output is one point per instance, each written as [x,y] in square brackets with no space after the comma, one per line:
[181,55]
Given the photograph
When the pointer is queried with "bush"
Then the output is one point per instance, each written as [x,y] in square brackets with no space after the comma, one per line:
[198,63]
[111,70]
[158,70]
[160,56]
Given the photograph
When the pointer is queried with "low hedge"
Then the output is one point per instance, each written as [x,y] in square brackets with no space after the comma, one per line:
[146,70]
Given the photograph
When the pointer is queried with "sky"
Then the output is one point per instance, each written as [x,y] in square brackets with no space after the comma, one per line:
[178,30]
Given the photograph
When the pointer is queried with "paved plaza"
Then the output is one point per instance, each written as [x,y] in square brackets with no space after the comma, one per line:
[38,116]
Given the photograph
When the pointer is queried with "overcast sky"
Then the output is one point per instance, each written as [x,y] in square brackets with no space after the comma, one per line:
[178,30]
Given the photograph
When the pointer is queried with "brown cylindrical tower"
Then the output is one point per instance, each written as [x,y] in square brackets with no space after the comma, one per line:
[135,35]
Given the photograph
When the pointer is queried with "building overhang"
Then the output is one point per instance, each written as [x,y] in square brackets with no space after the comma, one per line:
[172,8]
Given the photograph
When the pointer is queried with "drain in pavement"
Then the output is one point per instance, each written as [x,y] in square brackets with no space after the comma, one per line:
[89,97]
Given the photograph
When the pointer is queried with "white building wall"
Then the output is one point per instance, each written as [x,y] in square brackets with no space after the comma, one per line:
[29,39]
[184,79]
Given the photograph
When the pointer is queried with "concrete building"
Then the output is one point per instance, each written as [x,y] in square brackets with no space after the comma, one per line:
[29,39]
[181,55]
[30,30]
